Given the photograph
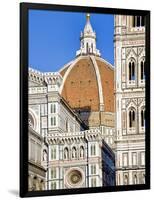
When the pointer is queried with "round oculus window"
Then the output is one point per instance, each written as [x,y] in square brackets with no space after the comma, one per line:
[75,177]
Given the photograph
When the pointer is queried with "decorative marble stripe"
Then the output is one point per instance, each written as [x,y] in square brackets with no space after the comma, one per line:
[98,77]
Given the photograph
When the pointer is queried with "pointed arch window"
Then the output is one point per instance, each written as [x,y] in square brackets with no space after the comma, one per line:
[92,47]
[138,21]
[53,152]
[93,182]
[93,150]
[125,179]
[132,118]
[31,121]
[87,49]
[53,108]
[67,126]
[131,70]
[133,21]
[53,185]
[142,68]
[143,178]
[45,155]
[142,118]
[142,21]
[135,179]
[74,152]
[66,153]
[81,152]
[53,173]
[93,169]
[53,121]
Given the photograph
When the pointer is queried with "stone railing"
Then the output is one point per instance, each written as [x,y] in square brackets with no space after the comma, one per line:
[37,90]
[80,133]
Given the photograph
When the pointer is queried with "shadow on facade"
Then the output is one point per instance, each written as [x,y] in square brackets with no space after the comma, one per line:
[84,114]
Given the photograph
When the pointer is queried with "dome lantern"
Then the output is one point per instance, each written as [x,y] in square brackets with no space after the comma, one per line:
[88,40]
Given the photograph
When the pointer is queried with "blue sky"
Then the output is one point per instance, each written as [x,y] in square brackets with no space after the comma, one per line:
[54,37]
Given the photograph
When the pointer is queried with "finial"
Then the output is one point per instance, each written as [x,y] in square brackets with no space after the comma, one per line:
[87,16]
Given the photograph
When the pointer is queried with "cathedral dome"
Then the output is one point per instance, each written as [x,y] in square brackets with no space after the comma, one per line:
[88,83]
[88,80]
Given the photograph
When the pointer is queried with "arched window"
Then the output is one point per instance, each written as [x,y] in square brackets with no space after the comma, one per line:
[143,178]
[125,179]
[42,185]
[35,184]
[53,152]
[53,108]
[45,155]
[31,121]
[93,150]
[53,121]
[142,118]
[53,185]
[142,68]
[30,183]
[131,118]
[53,173]
[74,152]
[93,169]
[138,21]
[87,49]
[93,182]
[131,70]
[135,179]
[67,126]
[66,153]
[92,47]
[81,152]
[142,21]
[133,24]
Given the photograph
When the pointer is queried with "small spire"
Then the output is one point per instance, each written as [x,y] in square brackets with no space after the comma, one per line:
[88,40]
[88,16]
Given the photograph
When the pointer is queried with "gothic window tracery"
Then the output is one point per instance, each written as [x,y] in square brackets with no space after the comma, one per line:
[53,185]
[53,121]
[53,173]
[142,117]
[44,155]
[93,169]
[67,126]
[66,153]
[53,108]
[42,185]
[138,21]
[142,70]
[92,47]
[143,178]
[132,118]
[125,179]
[135,179]
[74,152]
[31,121]
[93,182]
[93,150]
[81,152]
[131,66]
[53,152]
[87,47]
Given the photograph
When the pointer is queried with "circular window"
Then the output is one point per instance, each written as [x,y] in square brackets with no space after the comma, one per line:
[74,177]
